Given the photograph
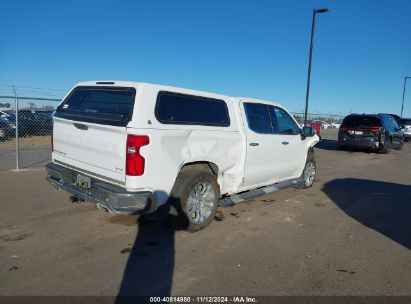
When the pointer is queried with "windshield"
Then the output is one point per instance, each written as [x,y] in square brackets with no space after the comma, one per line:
[361,121]
[104,105]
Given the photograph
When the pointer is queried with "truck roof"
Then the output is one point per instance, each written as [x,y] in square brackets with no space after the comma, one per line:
[122,83]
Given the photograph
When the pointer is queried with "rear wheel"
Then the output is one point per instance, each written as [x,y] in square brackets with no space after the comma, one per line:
[194,200]
[386,148]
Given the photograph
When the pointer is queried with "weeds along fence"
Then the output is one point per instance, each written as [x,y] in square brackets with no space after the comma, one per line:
[25,131]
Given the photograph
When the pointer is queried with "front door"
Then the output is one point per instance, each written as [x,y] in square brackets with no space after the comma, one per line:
[294,151]
[275,150]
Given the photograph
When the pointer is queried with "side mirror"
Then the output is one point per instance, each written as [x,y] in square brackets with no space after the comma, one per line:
[307,131]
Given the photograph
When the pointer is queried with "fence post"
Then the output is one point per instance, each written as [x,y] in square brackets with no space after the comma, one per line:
[17,130]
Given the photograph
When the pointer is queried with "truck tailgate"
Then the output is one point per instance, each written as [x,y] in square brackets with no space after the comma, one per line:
[94,148]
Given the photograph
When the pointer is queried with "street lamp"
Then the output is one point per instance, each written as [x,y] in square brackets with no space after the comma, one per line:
[403,93]
[315,11]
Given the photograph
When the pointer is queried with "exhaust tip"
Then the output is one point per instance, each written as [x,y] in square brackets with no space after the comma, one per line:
[75,200]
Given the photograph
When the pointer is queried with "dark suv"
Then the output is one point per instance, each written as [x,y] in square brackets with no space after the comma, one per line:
[378,132]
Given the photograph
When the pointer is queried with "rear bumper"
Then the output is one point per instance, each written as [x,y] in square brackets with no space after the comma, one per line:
[407,134]
[367,142]
[115,199]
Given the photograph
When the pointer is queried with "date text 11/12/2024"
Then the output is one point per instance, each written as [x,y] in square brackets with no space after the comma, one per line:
[203,299]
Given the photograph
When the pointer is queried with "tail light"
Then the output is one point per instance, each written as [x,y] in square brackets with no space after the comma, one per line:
[134,161]
[375,129]
[369,129]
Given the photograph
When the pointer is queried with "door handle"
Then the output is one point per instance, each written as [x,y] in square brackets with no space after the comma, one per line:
[254,144]
[285,142]
[80,126]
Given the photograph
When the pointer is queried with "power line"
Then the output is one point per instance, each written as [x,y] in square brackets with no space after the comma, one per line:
[33,88]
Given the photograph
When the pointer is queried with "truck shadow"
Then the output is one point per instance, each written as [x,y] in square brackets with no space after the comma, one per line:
[382,206]
[149,269]
[332,145]
[328,144]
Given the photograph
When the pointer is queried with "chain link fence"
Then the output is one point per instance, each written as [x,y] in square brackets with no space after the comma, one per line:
[327,121]
[26,127]
[25,131]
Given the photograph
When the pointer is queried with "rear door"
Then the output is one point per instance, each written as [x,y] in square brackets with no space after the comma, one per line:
[262,146]
[394,130]
[89,132]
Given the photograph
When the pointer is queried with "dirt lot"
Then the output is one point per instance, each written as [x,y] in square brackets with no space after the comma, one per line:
[35,152]
[27,142]
[350,234]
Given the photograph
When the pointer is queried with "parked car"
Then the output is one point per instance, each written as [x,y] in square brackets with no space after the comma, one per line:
[406,122]
[336,125]
[378,132]
[133,148]
[397,119]
[7,129]
[45,113]
[4,114]
[324,125]
[32,123]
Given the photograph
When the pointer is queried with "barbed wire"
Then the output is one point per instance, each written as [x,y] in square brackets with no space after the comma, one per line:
[24,91]
[31,88]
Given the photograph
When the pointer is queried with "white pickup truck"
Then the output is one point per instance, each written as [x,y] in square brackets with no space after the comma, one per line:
[132,147]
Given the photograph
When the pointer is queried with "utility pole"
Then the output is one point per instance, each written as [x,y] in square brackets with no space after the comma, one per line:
[315,11]
[403,93]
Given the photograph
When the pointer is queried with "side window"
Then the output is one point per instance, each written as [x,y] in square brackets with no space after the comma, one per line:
[384,121]
[175,108]
[258,118]
[286,124]
[394,123]
[389,122]
[274,121]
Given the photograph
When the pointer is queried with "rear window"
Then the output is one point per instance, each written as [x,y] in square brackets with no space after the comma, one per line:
[175,108]
[361,121]
[104,105]
[406,121]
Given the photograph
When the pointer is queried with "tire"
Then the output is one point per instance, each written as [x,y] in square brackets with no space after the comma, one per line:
[190,211]
[309,171]
[342,148]
[386,149]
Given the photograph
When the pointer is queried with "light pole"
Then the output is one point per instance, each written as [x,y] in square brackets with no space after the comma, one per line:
[315,11]
[403,93]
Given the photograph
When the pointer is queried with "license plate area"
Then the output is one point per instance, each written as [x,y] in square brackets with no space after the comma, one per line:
[83,181]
